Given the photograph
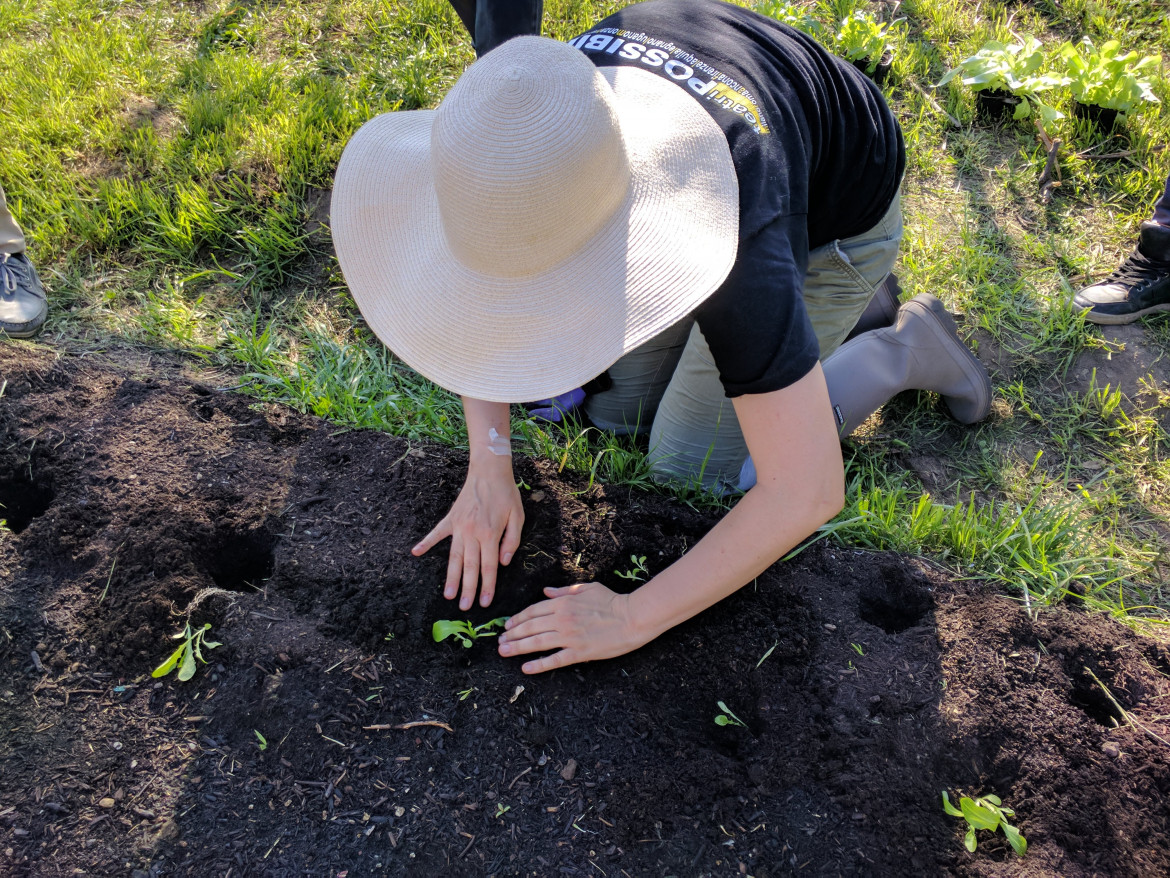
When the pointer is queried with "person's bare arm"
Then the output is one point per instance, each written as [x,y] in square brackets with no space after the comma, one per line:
[793,442]
[485,521]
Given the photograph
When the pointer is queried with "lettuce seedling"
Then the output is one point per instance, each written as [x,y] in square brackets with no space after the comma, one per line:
[464,631]
[638,572]
[189,650]
[727,718]
[862,38]
[1107,77]
[986,812]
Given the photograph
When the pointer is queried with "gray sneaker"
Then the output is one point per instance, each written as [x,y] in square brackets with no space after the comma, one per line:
[23,306]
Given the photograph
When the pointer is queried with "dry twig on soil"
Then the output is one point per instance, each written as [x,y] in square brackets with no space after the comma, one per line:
[382,727]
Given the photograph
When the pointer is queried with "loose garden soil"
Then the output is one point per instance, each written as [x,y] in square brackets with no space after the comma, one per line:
[330,736]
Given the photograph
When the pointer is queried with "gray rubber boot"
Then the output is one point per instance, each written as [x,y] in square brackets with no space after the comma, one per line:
[882,309]
[921,351]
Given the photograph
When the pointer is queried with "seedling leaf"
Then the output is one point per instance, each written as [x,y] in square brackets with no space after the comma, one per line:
[949,808]
[464,631]
[1018,842]
[728,717]
[187,666]
[987,813]
[189,651]
[639,572]
[771,649]
[169,665]
[978,816]
[457,628]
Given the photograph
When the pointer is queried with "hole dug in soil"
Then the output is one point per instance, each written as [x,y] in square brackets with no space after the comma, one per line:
[22,500]
[1091,698]
[892,602]
[241,560]
[313,745]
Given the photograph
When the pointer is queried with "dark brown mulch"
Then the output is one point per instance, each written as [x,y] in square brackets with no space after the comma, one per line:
[869,683]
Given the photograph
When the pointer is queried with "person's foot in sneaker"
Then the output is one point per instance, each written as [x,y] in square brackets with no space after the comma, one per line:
[23,306]
[1140,286]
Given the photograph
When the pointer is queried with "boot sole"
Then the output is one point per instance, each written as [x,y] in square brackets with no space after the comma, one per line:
[947,332]
[1120,319]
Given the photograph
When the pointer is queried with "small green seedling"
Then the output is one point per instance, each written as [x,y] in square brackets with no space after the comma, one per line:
[465,694]
[857,648]
[771,649]
[464,631]
[502,809]
[727,718]
[639,572]
[986,812]
[189,650]
[261,741]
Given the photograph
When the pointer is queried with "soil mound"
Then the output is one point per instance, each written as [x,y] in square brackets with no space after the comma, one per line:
[329,736]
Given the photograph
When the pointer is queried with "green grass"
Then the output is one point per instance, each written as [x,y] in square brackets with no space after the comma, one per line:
[171,164]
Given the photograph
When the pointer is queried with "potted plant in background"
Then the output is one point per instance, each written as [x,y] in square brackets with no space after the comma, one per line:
[1006,79]
[1105,83]
[864,41]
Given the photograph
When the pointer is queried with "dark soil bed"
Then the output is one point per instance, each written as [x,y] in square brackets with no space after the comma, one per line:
[869,683]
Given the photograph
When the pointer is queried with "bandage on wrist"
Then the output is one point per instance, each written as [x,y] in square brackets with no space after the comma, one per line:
[499,445]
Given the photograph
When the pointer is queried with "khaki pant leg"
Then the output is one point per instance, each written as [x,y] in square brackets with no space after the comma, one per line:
[639,380]
[843,276]
[11,237]
[696,435]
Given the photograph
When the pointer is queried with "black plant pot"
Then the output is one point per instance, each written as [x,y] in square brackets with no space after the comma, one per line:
[880,73]
[995,104]
[1104,118]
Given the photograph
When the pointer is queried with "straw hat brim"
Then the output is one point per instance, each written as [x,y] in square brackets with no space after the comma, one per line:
[514,339]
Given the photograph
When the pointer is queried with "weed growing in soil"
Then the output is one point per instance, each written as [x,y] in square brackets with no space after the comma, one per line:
[261,741]
[986,812]
[464,631]
[727,718]
[189,650]
[771,649]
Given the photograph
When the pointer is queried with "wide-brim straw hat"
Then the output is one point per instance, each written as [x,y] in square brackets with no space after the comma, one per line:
[549,217]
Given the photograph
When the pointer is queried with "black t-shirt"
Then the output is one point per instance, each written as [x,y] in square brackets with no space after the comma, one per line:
[818,155]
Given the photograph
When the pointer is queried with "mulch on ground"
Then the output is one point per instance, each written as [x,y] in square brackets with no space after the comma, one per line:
[330,736]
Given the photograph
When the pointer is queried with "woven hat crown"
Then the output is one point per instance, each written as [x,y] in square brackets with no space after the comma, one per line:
[547,219]
[529,159]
